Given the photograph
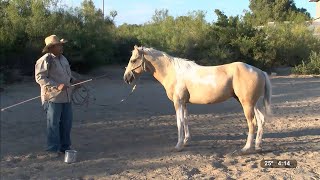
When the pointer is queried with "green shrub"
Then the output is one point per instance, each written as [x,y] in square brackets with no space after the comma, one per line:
[94,40]
[310,67]
[292,43]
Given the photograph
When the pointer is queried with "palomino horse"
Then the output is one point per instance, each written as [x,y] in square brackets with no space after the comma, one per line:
[187,82]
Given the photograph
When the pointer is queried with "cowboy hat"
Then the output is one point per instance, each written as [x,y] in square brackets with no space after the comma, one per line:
[52,40]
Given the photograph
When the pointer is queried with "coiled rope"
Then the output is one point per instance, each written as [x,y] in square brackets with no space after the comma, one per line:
[81,96]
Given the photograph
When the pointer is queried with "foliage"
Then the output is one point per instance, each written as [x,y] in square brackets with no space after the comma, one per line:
[312,66]
[263,11]
[94,40]
[26,23]
[292,43]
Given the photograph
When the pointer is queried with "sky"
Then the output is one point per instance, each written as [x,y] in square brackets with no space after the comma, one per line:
[141,11]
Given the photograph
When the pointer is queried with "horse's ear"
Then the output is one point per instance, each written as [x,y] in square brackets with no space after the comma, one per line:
[135,47]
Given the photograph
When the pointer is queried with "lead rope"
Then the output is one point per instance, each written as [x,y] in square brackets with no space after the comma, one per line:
[80,95]
[22,102]
[122,100]
[87,94]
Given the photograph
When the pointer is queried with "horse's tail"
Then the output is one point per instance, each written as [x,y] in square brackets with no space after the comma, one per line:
[267,95]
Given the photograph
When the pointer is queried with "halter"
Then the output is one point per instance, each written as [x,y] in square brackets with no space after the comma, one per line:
[142,64]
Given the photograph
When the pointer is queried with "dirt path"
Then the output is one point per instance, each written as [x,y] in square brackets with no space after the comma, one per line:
[134,140]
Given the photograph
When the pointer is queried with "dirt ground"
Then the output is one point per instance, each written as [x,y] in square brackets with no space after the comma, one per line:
[134,140]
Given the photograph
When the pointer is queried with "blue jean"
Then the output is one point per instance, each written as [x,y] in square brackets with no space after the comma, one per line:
[59,124]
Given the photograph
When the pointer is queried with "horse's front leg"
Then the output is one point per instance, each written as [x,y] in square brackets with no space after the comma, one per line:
[186,125]
[180,122]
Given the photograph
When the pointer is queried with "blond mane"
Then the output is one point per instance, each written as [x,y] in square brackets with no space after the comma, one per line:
[181,65]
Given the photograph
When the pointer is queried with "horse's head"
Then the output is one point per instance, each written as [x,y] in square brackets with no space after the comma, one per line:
[136,65]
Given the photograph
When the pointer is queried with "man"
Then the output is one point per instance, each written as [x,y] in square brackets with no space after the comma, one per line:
[53,74]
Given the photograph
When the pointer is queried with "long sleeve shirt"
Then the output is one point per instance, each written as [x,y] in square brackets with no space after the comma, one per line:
[50,71]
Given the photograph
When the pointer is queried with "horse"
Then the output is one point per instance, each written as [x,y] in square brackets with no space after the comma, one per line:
[188,82]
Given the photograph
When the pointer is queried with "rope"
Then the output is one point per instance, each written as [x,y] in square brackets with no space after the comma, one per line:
[80,95]
[122,100]
[19,103]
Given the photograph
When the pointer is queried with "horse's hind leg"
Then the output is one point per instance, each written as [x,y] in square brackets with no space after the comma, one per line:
[249,113]
[186,125]
[260,122]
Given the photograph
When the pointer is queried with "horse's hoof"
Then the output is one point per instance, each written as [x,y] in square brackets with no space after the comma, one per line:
[186,143]
[243,152]
[187,139]
[177,149]
[236,153]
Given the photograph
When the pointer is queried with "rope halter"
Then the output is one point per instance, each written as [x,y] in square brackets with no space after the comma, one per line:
[142,64]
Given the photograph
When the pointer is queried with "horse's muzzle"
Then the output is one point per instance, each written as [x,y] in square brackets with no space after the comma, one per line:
[128,78]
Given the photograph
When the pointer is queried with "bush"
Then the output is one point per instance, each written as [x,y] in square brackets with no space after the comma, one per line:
[94,40]
[310,67]
[292,43]
[27,23]
[226,40]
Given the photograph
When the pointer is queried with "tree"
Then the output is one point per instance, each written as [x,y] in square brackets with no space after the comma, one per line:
[39,22]
[263,11]
[160,15]
[113,14]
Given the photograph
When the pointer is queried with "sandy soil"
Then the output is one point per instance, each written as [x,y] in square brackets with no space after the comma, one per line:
[134,140]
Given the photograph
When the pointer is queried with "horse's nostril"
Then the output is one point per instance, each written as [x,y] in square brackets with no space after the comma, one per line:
[125,78]
[128,78]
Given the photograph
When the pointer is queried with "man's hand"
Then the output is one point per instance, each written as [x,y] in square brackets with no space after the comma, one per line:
[62,87]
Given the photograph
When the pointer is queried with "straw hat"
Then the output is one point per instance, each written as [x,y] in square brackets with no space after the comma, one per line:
[52,40]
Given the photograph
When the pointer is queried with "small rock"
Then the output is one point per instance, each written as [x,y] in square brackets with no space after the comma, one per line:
[255,165]
[193,172]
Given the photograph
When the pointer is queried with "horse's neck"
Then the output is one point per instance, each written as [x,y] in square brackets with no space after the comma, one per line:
[161,69]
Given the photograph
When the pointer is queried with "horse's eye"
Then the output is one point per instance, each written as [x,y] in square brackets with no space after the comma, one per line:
[134,60]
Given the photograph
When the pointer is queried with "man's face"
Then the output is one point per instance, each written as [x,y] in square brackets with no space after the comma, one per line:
[57,49]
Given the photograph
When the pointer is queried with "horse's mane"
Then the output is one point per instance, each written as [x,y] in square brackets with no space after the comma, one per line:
[180,64]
